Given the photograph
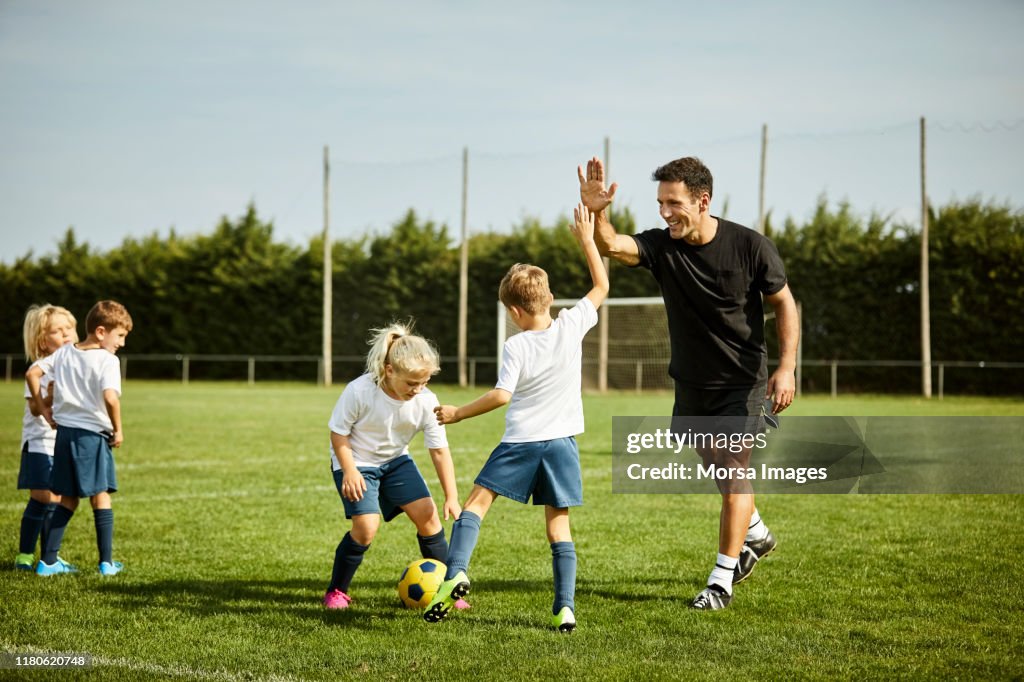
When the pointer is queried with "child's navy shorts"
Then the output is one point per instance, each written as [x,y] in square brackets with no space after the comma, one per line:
[549,470]
[83,464]
[35,470]
[389,487]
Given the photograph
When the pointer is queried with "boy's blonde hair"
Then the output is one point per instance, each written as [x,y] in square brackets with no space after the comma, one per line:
[37,324]
[108,314]
[397,346]
[526,287]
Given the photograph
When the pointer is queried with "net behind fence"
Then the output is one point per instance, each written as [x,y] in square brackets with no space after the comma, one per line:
[637,348]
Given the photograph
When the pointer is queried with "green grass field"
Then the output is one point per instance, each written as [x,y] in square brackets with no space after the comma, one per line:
[227,520]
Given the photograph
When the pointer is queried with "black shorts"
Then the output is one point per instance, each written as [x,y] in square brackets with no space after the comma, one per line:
[735,413]
[719,402]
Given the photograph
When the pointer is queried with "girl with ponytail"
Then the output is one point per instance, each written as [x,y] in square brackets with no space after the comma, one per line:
[372,424]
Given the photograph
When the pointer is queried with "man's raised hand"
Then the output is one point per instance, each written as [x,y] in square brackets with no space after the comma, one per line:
[593,193]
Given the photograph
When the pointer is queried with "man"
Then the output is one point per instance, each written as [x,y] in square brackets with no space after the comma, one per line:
[713,274]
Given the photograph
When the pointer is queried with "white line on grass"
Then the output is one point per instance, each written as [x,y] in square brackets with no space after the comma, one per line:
[136,465]
[211,495]
[220,494]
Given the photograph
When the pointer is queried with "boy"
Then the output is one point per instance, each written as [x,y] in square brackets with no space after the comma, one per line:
[87,415]
[540,376]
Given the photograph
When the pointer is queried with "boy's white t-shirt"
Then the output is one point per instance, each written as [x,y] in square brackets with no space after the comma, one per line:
[35,430]
[543,372]
[379,427]
[80,378]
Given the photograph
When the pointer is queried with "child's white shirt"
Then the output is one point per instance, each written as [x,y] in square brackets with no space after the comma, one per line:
[379,427]
[35,430]
[80,378]
[543,372]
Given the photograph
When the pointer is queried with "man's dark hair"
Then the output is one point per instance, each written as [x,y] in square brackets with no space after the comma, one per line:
[688,170]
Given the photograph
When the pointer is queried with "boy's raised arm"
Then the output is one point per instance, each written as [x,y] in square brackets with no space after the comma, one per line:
[583,230]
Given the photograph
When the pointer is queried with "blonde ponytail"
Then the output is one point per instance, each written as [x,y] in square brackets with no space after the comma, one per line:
[397,346]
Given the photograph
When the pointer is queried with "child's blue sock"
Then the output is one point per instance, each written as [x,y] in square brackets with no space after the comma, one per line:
[563,562]
[47,522]
[61,516]
[104,521]
[32,521]
[433,546]
[465,532]
[347,558]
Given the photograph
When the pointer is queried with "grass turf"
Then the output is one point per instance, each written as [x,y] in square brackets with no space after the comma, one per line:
[227,520]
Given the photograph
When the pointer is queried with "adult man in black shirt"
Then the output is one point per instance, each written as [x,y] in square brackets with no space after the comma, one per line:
[713,274]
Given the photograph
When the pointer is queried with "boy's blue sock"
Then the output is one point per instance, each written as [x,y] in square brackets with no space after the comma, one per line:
[347,558]
[433,546]
[563,563]
[104,521]
[32,521]
[465,532]
[61,516]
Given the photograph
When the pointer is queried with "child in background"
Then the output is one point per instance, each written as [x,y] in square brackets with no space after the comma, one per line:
[86,412]
[541,376]
[371,426]
[47,328]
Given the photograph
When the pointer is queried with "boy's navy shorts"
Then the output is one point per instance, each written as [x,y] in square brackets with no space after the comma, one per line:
[389,487]
[549,470]
[35,470]
[83,464]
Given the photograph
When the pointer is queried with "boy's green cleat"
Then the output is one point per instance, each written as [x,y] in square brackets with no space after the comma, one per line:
[24,562]
[564,620]
[450,591]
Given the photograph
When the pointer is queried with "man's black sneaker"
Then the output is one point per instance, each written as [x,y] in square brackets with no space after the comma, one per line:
[711,598]
[750,554]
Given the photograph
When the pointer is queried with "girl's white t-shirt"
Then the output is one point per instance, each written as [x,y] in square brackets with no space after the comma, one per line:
[80,377]
[35,430]
[379,427]
[543,372]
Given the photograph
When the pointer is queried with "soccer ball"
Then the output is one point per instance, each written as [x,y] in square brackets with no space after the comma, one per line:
[419,582]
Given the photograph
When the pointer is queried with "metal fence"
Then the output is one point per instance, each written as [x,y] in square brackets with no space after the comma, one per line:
[14,364]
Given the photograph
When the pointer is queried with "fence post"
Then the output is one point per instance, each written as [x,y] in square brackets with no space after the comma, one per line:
[942,379]
[472,372]
[10,365]
[184,370]
[639,376]
[124,366]
[835,372]
[799,349]
[252,370]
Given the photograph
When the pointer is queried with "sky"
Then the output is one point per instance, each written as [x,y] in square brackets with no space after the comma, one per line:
[125,119]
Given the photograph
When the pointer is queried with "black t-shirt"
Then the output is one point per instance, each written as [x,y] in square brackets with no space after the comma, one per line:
[712,297]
